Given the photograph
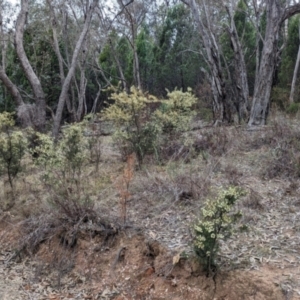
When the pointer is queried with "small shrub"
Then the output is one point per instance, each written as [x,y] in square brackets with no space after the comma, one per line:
[293,108]
[233,174]
[215,223]
[12,148]
[175,113]
[94,147]
[131,116]
[63,176]
[141,130]
[283,163]
[280,97]
[283,159]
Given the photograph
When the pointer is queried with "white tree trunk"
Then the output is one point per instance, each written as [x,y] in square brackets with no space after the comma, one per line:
[276,14]
[66,85]
[241,84]
[59,56]
[296,69]
[220,109]
[40,102]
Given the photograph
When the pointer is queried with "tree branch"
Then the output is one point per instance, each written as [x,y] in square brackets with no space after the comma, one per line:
[290,11]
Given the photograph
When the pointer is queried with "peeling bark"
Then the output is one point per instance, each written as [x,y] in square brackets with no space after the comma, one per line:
[221,108]
[296,69]
[276,14]
[241,80]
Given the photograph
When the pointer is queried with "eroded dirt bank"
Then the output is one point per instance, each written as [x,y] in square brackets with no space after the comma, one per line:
[125,266]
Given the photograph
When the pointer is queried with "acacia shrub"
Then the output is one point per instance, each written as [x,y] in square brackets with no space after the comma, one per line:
[63,175]
[12,148]
[175,113]
[142,130]
[214,224]
[131,116]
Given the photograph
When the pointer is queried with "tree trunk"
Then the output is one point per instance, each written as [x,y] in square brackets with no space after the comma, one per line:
[276,14]
[57,51]
[221,108]
[240,74]
[69,102]
[66,85]
[11,87]
[132,41]
[136,67]
[296,69]
[40,102]
[26,112]
[117,61]
[81,94]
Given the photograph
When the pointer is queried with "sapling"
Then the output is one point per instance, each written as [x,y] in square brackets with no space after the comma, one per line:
[215,224]
[12,148]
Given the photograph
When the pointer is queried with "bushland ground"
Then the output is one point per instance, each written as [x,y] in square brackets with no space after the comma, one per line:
[151,256]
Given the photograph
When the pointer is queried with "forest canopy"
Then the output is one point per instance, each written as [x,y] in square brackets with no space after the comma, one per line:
[59,57]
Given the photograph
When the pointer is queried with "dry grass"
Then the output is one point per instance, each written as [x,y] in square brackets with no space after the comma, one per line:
[164,200]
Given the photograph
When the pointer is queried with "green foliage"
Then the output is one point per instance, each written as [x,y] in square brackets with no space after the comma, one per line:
[280,97]
[175,113]
[173,64]
[289,55]
[293,108]
[247,37]
[67,155]
[117,48]
[128,109]
[139,128]
[130,114]
[144,45]
[63,164]
[215,223]
[12,147]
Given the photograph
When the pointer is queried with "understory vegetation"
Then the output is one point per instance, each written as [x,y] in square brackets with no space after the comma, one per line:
[154,162]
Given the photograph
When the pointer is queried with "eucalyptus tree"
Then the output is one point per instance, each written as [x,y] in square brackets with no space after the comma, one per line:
[207,19]
[89,8]
[132,16]
[25,111]
[296,68]
[32,28]
[289,65]
[31,75]
[276,13]
[273,13]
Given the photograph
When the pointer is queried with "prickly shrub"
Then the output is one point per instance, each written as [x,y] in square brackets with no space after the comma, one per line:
[131,116]
[63,164]
[12,148]
[175,113]
[215,224]
[140,130]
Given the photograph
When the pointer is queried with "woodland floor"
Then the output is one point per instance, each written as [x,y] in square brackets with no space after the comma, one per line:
[261,260]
